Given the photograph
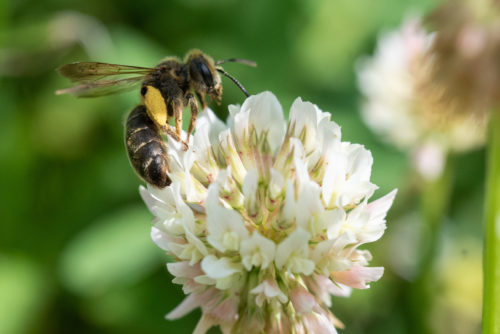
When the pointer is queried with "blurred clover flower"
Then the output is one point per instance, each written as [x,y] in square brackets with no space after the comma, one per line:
[265,220]
[404,104]
[466,52]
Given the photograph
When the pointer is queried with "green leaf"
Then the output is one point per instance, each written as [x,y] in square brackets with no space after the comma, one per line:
[23,292]
[114,252]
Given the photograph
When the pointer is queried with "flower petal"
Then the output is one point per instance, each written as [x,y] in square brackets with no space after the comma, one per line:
[293,253]
[268,290]
[219,268]
[187,305]
[204,324]
[319,323]
[302,300]
[225,227]
[262,112]
[163,240]
[257,251]
[358,276]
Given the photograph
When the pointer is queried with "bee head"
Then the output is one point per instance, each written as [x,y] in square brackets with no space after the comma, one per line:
[203,75]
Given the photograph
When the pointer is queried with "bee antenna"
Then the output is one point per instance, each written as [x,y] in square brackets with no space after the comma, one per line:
[237,60]
[220,70]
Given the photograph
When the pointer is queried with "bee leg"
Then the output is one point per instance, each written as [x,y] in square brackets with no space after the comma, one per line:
[175,108]
[169,131]
[201,97]
[194,114]
[178,120]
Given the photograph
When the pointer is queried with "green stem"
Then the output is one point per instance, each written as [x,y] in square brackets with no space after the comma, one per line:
[491,256]
[434,205]
[435,197]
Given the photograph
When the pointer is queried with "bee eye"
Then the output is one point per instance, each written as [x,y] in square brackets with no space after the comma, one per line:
[205,73]
[202,70]
[144,90]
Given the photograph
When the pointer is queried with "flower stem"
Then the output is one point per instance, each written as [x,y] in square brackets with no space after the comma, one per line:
[435,197]
[491,255]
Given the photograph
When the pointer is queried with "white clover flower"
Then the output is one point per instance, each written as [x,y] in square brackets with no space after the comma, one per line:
[407,107]
[265,218]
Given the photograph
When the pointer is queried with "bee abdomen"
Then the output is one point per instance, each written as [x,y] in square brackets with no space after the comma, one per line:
[146,150]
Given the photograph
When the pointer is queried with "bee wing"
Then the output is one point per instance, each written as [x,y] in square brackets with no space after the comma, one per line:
[102,87]
[87,71]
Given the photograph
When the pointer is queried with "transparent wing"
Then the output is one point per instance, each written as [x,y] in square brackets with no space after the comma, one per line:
[87,71]
[102,87]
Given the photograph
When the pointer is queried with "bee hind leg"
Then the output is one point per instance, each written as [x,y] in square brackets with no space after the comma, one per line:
[175,108]
[172,133]
[193,105]
[178,118]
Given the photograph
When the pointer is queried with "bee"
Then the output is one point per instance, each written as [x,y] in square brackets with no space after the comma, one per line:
[166,90]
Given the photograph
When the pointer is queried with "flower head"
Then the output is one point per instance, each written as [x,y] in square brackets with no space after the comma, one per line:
[410,109]
[466,52]
[265,218]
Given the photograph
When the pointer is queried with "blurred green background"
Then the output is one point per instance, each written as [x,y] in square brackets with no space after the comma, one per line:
[75,252]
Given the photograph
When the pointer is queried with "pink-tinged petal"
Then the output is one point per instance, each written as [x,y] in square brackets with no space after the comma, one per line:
[191,286]
[302,300]
[358,276]
[319,324]
[204,324]
[268,290]
[184,269]
[284,325]
[322,287]
[210,299]
[226,310]
[163,240]
[207,299]
[187,305]
[378,209]
[329,315]
[340,290]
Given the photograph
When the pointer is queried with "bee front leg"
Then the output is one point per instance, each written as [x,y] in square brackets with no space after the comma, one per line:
[193,105]
[201,97]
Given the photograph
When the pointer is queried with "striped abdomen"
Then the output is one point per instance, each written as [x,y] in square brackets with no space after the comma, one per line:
[146,149]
